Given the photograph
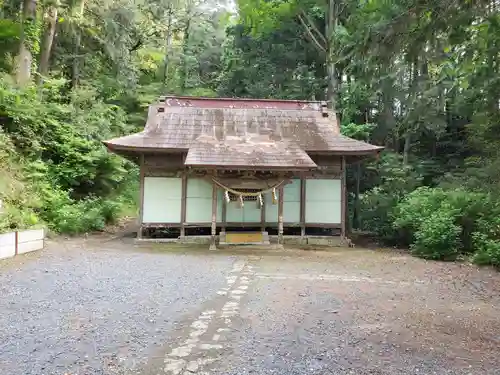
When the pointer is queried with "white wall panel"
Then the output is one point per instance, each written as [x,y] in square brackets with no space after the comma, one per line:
[324,201]
[291,202]
[162,199]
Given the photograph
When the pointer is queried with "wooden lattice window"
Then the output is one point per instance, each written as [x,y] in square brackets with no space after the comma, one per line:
[246,198]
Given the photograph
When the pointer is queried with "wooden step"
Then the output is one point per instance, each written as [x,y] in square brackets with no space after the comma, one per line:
[244,238]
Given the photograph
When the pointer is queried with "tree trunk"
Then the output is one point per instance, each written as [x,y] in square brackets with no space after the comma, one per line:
[25,58]
[167,46]
[413,92]
[185,51]
[47,42]
[396,139]
[75,76]
[407,147]
[24,61]
[389,121]
[333,83]
[357,205]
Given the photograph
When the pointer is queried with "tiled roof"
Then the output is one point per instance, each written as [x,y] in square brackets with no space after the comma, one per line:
[248,151]
[182,124]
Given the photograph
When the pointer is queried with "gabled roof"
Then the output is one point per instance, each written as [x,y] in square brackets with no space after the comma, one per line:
[257,151]
[217,131]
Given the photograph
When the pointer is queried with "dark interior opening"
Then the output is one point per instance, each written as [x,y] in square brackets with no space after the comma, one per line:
[272,231]
[323,231]
[173,233]
[291,231]
[161,233]
[199,231]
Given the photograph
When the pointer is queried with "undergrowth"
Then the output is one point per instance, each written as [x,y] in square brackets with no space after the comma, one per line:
[54,169]
[435,223]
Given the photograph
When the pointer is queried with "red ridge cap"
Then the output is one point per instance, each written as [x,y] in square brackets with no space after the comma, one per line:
[250,103]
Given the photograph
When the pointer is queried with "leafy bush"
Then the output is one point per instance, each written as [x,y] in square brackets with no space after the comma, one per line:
[81,217]
[443,224]
[435,223]
[486,241]
[17,201]
[64,215]
[488,250]
[416,208]
[438,237]
[14,218]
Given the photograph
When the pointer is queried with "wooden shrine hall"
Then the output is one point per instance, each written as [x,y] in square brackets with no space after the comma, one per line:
[226,164]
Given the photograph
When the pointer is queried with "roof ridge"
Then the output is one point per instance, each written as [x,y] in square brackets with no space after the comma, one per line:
[162,98]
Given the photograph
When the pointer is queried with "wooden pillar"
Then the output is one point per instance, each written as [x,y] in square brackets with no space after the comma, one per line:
[16,242]
[183,204]
[224,213]
[263,216]
[302,207]
[344,199]
[214,216]
[141,196]
[280,216]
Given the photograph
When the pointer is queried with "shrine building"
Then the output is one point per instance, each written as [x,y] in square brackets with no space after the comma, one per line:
[244,170]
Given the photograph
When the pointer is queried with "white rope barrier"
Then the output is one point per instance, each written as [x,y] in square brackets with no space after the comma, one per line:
[249,194]
[241,194]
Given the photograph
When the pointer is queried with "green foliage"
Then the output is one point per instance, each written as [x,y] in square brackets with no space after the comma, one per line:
[488,250]
[59,172]
[486,239]
[66,137]
[377,207]
[78,217]
[378,204]
[31,33]
[9,40]
[18,202]
[106,66]
[443,224]
[274,65]
[438,237]
[417,207]
[358,131]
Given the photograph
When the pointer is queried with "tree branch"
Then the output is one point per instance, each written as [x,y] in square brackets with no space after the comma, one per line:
[342,10]
[311,35]
[136,46]
[315,29]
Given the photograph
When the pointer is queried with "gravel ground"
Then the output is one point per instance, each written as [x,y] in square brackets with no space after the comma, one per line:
[95,307]
[366,312]
[88,307]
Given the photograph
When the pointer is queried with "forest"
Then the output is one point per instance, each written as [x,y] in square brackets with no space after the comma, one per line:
[420,77]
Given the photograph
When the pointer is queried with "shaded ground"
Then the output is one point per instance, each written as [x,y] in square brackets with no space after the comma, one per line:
[109,307]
